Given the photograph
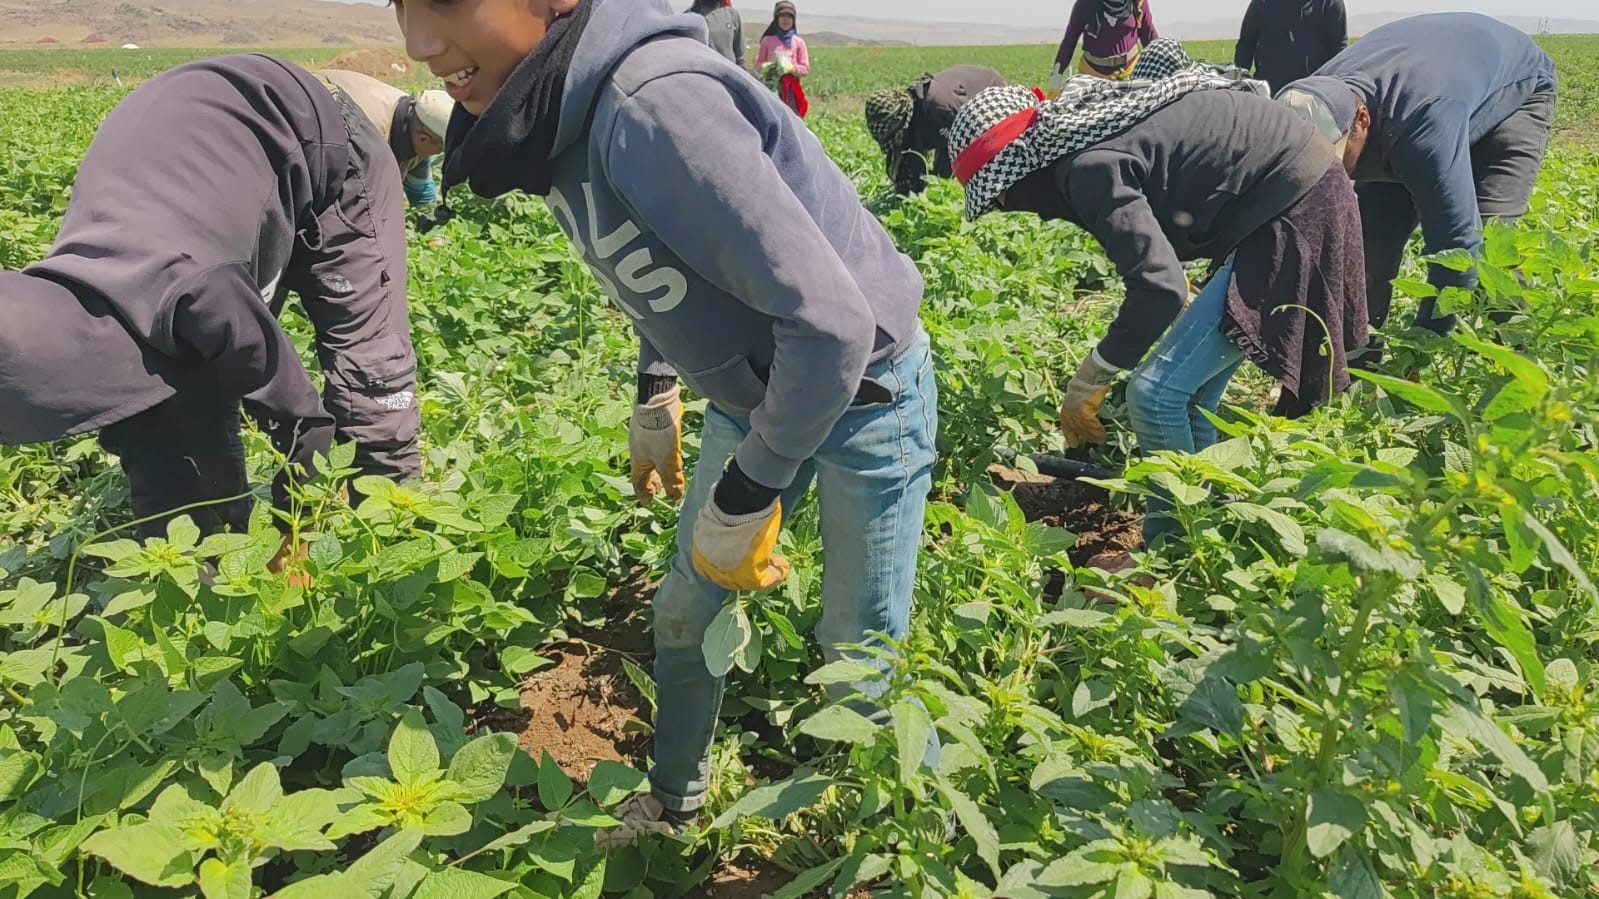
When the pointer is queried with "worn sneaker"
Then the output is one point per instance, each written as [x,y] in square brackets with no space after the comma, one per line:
[642,815]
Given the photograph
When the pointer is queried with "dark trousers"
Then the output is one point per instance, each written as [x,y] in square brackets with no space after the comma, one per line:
[1505,162]
[185,450]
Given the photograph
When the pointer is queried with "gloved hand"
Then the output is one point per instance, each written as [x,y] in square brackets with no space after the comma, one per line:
[1057,80]
[655,446]
[1079,410]
[734,552]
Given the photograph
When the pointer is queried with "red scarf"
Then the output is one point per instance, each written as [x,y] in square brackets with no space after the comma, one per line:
[792,95]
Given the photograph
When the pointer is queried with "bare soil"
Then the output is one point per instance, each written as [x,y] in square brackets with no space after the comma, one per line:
[754,879]
[1083,509]
[583,709]
[377,63]
[743,880]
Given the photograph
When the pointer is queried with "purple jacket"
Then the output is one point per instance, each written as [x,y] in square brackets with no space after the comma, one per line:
[1103,40]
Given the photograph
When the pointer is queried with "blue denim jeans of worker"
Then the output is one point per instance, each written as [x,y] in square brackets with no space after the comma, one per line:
[1188,372]
[872,477]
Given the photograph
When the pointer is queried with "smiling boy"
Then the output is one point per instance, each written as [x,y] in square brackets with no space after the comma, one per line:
[749,268]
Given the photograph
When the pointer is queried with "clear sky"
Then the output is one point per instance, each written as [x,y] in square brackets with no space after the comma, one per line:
[1043,12]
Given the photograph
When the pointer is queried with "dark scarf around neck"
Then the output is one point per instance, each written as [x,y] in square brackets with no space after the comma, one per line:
[1112,12]
[400,131]
[508,147]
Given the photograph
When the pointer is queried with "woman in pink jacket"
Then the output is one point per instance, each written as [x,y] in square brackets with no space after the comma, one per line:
[783,59]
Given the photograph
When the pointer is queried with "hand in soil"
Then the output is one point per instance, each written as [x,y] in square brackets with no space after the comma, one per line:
[291,556]
[1114,562]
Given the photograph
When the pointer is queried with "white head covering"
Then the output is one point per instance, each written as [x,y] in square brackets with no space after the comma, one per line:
[433,109]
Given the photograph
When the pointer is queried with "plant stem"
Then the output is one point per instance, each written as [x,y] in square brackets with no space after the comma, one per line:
[1374,591]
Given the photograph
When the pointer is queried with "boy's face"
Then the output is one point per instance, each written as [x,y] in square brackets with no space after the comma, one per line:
[474,45]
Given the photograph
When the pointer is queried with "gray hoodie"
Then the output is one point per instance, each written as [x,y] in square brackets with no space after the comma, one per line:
[718,224]
[725,28]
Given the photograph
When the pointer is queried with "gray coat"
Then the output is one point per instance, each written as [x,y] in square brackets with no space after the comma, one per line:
[207,195]
[724,30]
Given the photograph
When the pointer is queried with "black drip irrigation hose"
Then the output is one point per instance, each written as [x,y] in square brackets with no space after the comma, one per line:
[1059,466]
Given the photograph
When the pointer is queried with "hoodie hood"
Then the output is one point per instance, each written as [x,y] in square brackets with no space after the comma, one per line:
[614,29]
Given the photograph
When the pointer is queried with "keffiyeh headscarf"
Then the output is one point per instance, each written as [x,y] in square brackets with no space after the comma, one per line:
[1006,133]
[1165,57]
[888,118]
[1161,59]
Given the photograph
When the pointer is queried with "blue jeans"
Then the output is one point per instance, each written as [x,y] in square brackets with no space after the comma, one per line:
[872,478]
[1188,372]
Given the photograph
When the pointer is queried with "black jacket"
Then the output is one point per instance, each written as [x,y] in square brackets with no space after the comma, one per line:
[1189,182]
[208,194]
[1285,40]
[938,99]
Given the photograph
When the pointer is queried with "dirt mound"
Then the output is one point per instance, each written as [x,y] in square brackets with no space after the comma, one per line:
[583,710]
[1083,509]
[376,63]
[743,880]
[755,878]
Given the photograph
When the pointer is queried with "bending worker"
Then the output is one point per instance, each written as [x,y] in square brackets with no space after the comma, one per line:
[1442,120]
[909,124]
[208,194]
[413,125]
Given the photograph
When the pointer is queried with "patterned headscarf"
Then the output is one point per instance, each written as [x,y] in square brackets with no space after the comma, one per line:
[888,118]
[1165,57]
[1162,58]
[1006,133]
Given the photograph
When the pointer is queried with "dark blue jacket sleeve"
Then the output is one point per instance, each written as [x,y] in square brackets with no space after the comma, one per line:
[1431,154]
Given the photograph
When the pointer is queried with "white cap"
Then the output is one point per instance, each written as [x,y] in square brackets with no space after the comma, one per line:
[1315,111]
[433,109]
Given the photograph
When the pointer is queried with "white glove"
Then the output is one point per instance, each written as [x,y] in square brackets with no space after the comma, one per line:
[1057,80]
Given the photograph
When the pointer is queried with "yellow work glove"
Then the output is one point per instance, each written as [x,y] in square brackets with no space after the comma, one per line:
[734,552]
[655,446]
[1079,410]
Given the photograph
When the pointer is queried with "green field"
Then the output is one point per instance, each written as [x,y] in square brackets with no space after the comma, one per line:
[1375,674]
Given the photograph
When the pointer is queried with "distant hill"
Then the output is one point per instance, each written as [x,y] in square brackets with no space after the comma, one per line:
[310,23]
[868,30]
[1360,24]
[196,23]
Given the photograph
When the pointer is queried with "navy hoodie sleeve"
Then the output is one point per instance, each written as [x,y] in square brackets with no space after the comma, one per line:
[1105,193]
[1431,156]
[1336,25]
[1248,37]
[705,186]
